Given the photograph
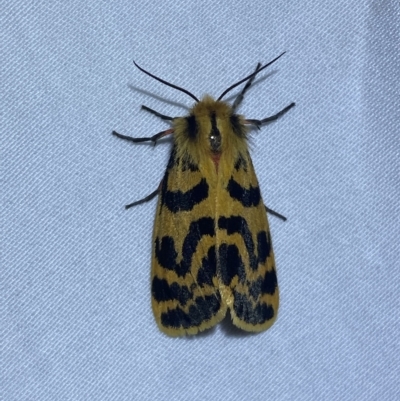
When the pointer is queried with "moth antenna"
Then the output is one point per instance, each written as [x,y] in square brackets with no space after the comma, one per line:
[240,97]
[167,83]
[251,76]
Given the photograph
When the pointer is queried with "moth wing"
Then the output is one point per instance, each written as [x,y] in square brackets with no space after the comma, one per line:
[246,265]
[185,286]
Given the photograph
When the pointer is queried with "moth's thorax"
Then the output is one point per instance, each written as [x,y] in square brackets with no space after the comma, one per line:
[211,131]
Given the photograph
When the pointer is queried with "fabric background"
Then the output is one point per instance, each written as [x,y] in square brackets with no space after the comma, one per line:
[75,314]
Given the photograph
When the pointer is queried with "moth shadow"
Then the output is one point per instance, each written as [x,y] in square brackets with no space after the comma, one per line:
[257,82]
[157,97]
[231,330]
[205,333]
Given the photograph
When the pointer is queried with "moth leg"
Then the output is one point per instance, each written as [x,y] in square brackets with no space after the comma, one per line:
[258,123]
[153,138]
[276,214]
[156,113]
[145,199]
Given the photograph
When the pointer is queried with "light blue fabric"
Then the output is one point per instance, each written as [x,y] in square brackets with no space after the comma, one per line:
[75,313]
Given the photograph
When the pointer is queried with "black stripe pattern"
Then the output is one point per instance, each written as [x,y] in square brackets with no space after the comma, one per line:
[190,305]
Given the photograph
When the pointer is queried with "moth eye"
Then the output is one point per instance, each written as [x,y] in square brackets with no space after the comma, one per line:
[215,141]
[215,135]
[192,127]
[237,127]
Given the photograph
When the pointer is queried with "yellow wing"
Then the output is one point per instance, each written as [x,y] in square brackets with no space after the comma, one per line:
[185,286]
[246,266]
[211,246]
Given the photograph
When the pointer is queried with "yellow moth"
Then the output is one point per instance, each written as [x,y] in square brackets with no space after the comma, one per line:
[212,247]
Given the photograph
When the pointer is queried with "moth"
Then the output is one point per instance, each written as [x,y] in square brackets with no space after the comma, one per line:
[212,248]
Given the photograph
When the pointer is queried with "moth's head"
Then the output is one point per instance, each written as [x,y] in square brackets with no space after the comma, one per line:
[211,125]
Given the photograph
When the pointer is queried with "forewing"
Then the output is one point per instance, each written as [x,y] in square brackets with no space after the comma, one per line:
[246,266]
[185,292]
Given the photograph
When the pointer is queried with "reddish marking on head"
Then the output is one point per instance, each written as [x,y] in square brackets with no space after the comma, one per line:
[215,158]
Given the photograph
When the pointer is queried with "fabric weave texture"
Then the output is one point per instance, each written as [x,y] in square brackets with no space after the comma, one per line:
[75,312]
